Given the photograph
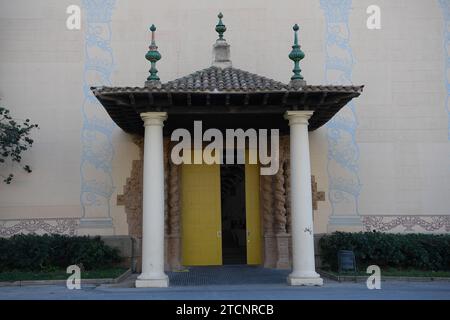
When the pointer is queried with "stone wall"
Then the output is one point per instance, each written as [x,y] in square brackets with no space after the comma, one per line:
[383,161]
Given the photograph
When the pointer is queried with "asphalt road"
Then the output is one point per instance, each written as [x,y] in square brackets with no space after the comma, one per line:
[390,290]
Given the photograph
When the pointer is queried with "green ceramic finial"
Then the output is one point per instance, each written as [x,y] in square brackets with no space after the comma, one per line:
[296,55]
[153,56]
[220,27]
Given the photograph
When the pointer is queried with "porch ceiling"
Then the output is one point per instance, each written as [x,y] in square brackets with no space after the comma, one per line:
[227,108]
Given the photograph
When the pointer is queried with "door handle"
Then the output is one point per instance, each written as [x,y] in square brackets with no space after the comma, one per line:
[248,236]
[219,234]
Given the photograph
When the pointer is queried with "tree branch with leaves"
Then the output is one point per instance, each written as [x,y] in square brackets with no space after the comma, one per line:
[14,140]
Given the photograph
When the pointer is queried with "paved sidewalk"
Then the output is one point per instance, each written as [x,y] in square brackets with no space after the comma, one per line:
[233,283]
[330,291]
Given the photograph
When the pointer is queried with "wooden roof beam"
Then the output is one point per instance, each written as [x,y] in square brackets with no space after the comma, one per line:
[265,99]
[246,99]
[189,99]
[132,99]
[151,99]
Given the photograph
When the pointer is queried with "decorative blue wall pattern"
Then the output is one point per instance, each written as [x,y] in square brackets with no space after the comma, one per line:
[97,148]
[343,153]
[445,6]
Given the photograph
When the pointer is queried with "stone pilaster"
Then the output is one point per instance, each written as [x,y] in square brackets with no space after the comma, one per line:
[280,200]
[174,251]
[282,237]
[166,145]
[287,182]
[270,247]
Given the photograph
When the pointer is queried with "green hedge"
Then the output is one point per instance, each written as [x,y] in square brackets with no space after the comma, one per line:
[50,252]
[402,251]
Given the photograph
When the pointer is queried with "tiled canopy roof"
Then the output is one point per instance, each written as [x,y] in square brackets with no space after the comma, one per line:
[222,96]
[227,80]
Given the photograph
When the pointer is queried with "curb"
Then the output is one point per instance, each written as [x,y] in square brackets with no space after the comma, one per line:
[383,278]
[21,283]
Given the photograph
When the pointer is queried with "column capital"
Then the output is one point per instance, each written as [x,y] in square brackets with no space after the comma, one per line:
[298,117]
[153,118]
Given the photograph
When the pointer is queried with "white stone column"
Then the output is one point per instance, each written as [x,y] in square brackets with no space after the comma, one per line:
[153,204]
[303,264]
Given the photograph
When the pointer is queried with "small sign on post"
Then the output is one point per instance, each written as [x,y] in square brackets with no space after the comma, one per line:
[346,261]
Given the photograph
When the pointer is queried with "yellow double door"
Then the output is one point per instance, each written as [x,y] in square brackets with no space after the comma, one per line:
[201,215]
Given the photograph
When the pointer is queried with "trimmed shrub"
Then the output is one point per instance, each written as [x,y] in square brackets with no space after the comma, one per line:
[49,252]
[388,250]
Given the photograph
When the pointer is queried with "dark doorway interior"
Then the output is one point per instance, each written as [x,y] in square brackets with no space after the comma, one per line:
[234,239]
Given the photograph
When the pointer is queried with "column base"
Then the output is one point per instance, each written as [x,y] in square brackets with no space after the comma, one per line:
[152,283]
[174,248]
[305,281]
[345,224]
[270,251]
[282,251]
[96,227]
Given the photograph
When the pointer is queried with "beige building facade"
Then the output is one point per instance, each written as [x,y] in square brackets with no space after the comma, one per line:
[382,163]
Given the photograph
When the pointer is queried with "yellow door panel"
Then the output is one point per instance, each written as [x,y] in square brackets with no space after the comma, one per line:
[254,234]
[201,215]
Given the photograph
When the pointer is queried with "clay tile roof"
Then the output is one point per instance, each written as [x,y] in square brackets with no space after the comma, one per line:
[230,79]
[227,80]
